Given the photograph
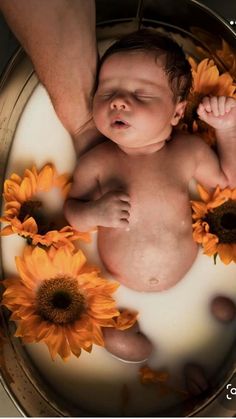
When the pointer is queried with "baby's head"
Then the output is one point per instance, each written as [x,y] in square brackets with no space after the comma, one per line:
[143,82]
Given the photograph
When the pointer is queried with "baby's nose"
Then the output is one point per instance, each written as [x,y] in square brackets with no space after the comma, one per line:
[119,102]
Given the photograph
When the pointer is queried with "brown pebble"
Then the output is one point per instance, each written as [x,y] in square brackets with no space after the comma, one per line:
[195,379]
[223,309]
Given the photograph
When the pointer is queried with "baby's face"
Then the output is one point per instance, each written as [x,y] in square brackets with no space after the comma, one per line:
[133,105]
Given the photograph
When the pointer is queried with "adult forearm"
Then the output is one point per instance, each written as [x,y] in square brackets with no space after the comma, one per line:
[59,36]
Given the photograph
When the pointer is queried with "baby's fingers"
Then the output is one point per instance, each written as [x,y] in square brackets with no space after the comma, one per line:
[214,102]
[124,223]
[201,111]
[217,106]
[210,105]
[221,105]
[124,215]
[225,104]
[123,196]
[205,104]
[124,220]
[124,206]
[229,104]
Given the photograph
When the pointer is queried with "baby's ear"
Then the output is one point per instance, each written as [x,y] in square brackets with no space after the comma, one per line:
[179,112]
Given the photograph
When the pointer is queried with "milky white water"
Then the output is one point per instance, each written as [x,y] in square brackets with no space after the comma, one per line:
[177,321]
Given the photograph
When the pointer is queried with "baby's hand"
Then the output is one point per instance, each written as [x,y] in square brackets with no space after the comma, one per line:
[114,210]
[219,112]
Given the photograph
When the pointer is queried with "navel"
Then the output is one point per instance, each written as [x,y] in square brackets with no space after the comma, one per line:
[153,281]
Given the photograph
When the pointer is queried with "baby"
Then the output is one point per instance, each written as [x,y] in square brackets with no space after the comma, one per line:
[134,186]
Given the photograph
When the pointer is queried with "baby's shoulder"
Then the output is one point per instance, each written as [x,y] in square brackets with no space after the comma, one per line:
[104,148]
[93,162]
[189,142]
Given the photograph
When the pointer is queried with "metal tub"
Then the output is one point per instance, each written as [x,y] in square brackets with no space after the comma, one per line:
[187,18]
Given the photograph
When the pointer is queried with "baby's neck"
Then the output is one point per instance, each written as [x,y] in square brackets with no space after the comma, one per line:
[149,149]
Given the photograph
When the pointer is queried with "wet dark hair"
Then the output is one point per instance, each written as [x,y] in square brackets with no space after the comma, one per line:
[176,66]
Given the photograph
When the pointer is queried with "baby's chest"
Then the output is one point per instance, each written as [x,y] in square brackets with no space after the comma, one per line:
[151,185]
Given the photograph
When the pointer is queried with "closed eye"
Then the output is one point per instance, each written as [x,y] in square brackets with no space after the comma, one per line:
[143,97]
[105,95]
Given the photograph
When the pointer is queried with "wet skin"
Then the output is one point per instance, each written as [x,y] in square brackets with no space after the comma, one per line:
[135,186]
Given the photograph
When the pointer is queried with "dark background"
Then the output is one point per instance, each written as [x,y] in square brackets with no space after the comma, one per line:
[225,8]
[8,44]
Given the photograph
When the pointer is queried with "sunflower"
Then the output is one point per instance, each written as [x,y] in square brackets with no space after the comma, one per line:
[150,376]
[206,81]
[215,222]
[228,57]
[160,379]
[24,211]
[60,301]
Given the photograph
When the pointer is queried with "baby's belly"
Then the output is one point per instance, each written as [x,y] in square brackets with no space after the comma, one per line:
[146,263]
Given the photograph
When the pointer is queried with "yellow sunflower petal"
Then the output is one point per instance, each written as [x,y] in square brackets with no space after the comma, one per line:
[97,335]
[193,63]
[44,268]
[29,226]
[63,259]
[25,189]
[52,341]
[33,258]
[63,347]
[210,244]
[73,341]
[27,328]
[234,252]
[200,230]
[226,85]
[199,208]
[15,178]
[106,322]
[225,252]
[126,319]
[102,307]
[13,204]
[25,275]
[33,179]
[77,263]
[75,234]
[204,194]
[63,183]
[45,178]
[6,231]
[148,375]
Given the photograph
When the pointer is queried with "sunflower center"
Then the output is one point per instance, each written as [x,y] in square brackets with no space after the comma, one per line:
[59,300]
[228,221]
[34,209]
[222,222]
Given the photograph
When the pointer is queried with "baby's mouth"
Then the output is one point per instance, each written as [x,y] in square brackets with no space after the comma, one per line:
[120,124]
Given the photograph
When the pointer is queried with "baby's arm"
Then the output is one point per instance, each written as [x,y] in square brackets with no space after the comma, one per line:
[220,113]
[86,207]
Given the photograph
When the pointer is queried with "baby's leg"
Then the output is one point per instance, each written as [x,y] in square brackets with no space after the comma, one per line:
[128,345]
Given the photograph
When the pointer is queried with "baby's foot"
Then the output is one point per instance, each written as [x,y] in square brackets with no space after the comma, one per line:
[128,345]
